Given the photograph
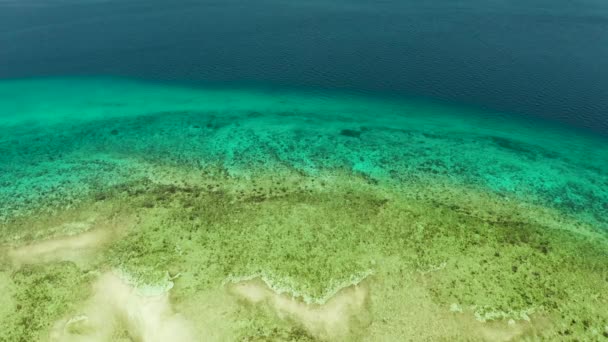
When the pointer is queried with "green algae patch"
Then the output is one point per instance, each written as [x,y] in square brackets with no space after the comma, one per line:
[240,236]
[42,295]
[468,251]
[470,257]
[7,303]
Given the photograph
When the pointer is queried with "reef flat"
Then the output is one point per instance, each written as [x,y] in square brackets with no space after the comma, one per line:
[138,211]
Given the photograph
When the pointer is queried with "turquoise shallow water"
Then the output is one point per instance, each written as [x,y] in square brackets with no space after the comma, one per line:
[65,136]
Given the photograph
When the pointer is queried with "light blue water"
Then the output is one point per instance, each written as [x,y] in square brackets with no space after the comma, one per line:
[70,135]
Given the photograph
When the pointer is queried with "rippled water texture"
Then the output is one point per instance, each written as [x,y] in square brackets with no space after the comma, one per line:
[148,212]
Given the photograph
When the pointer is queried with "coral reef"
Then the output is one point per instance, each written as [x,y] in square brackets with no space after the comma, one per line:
[251,215]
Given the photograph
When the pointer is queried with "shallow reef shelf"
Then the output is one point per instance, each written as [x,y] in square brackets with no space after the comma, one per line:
[249,214]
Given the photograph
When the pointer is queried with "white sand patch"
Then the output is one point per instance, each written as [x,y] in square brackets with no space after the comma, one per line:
[501,331]
[337,319]
[214,314]
[71,248]
[81,241]
[511,330]
[119,309]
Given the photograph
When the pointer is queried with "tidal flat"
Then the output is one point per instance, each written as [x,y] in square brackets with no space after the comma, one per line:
[134,211]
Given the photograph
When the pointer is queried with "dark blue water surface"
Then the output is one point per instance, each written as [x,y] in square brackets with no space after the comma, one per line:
[547,58]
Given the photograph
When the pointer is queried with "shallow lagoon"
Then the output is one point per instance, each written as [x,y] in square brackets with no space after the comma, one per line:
[148,211]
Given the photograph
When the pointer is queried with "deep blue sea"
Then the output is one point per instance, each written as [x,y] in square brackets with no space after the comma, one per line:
[541,58]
